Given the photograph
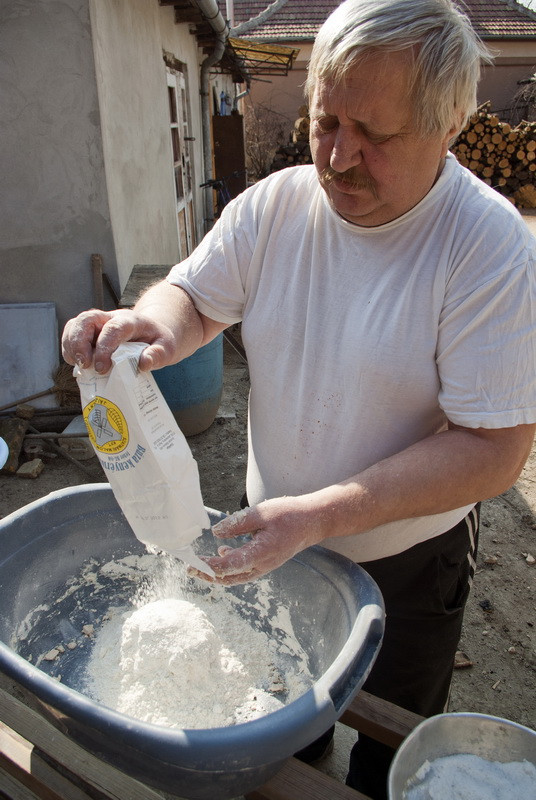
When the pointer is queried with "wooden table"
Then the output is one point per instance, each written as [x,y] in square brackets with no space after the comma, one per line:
[39,762]
[141,277]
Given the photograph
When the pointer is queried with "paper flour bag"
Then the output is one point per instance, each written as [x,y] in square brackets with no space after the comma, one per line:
[144,454]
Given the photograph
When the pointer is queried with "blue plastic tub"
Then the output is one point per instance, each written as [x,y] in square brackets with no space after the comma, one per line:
[193,387]
[336,612]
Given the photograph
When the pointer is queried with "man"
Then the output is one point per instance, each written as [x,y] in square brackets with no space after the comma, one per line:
[387,301]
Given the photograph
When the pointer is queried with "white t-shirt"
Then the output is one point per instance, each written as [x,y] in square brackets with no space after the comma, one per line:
[362,341]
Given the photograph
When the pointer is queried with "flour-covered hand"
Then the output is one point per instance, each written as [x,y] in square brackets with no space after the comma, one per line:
[164,317]
[93,336]
[279,529]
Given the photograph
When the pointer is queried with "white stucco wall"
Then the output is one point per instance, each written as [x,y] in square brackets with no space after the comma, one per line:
[86,146]
[53,206]
[129,37]
[131,80]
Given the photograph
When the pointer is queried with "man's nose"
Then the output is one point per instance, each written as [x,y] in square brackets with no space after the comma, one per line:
[347,150]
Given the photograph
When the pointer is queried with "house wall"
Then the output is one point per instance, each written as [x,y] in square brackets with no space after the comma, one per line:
[129,38]
[87,161]
[53,206]
[284,93]
[514,61]
[131,80]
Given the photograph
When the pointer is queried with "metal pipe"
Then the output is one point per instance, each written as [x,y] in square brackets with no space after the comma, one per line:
[209,62]
[254,22]
[240,95]
[211,12]
[61,452]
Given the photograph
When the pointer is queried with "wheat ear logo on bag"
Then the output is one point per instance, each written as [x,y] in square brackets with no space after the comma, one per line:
[107,427]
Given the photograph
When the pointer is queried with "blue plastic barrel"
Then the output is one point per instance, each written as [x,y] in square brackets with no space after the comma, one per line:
[193,387]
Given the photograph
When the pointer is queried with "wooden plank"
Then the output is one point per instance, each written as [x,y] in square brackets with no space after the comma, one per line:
[11,789]
[141,277]
[24,732]
[299,781]
[15,747]
[61,780]
[16,769]
[113,783]
[98,288]
[379,719]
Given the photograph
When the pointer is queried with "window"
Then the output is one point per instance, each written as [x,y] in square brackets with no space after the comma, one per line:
[181,140]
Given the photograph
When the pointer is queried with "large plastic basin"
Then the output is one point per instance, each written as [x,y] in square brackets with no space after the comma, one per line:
[336,611]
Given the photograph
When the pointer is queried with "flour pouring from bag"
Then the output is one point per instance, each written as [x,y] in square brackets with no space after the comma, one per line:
[145,455]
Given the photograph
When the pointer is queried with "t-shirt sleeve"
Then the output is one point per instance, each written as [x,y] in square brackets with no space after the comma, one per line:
[486,352]
[214,275]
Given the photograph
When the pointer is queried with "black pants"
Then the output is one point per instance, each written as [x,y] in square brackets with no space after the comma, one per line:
[425,590]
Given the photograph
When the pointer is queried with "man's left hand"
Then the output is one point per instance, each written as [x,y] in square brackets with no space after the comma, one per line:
[279,529]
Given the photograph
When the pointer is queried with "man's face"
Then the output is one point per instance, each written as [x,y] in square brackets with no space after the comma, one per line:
[370,160]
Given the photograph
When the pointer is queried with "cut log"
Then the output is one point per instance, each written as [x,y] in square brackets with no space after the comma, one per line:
[501,156]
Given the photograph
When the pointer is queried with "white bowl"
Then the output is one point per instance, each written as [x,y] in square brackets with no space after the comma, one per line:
[4,452]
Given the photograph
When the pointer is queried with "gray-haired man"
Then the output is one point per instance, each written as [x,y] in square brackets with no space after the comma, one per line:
[387,301]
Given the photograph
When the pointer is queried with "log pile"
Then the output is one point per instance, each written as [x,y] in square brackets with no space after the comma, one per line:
[501,156]
[297,151]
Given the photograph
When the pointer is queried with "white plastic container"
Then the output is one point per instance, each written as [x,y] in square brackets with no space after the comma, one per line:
[4,452]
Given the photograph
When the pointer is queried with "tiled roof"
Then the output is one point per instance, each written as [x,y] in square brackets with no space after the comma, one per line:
[297,20]
[300,20]
[493,19]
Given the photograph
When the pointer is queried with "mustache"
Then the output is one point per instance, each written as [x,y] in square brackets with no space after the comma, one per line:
[351,177]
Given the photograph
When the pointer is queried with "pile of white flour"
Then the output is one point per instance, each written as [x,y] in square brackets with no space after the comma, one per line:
[472,778]
[183,660]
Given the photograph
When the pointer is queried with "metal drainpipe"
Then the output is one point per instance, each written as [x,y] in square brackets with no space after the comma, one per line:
[211,12]
[240,96]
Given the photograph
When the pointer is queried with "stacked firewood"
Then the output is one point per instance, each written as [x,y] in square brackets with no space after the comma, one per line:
[502,156]
[297,151]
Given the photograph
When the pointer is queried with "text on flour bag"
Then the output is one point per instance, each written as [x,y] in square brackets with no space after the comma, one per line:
[144,454]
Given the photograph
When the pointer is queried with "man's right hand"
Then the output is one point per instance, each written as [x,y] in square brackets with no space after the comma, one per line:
[92,336]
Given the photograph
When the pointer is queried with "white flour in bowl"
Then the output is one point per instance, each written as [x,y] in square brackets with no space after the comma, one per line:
[191,661]
[472,778]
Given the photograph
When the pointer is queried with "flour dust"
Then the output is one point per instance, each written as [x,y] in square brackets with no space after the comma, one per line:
[170,650]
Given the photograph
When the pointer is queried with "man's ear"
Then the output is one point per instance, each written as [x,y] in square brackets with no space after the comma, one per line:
[452,134]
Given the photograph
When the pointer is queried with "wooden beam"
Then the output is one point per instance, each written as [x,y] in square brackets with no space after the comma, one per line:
[16,712]
[299,781]
[15,767]
[380,719]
